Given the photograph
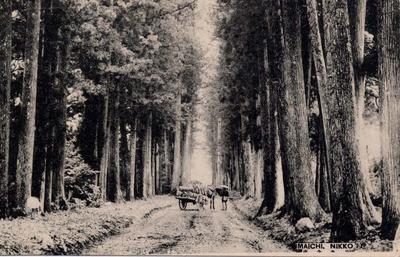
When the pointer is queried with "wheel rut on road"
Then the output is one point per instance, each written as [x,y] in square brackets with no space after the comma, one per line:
[173,231]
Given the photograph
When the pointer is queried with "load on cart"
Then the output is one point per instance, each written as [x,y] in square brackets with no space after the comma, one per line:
[194,193]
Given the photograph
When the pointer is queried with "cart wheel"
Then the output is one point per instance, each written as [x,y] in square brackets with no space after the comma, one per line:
[182,205]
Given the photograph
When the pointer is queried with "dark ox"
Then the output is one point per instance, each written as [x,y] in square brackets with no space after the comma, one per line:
[222,191]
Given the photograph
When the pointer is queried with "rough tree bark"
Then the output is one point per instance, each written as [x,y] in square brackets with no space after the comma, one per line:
[321,78]
[105,153]
[28,108]
[218,168]
[60,117]
[357,12]
[349,219]
[132,164]
[147,158]
[176,175]
[389,66]
[268,118]
[5,87]
[114,185]
[249,168]
[124,159]
[258,174]
[47,63]
[166,164]
[301,200]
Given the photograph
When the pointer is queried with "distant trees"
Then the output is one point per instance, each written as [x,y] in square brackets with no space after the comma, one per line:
[93,99]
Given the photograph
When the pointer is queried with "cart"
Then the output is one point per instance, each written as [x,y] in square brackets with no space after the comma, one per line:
[184,200]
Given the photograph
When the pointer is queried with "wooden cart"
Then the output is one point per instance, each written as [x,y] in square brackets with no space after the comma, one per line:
[184,200]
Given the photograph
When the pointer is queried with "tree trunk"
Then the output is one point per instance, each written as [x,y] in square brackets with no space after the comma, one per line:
[389,66]
[167,164]
[257,175]
[321,77]
[301,200]
[349,219]
[186,160]
[152,166]
[266,57]
[114,184]
[29,89]
[249,168]
[176,175]
[218,168]
[124,160]
[236,167]
[357,12]
[132,164]
[157,170]
[5,87]
[105,155]
[147,158]
[324,192]
[60,118]
[48,173]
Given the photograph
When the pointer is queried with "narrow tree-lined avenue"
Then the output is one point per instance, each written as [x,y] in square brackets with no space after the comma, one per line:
[288,108]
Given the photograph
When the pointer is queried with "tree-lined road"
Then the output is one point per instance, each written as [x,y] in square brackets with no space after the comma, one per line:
[172,231]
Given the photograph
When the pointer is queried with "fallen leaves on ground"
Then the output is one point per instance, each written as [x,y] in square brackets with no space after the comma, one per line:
[280,228]
[71,231]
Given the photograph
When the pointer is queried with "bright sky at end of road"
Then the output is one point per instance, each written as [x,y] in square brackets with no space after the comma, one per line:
[204,30]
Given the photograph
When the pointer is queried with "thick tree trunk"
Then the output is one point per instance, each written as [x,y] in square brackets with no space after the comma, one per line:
[157,176]
[249,162]
[176,175]
[324,194]
[48,188]
[258,174]
[132,164]
[147,158]
[105,153]
[47,63]
[186,160]
[266,56]
[389,66]
[218,168]
[321,78]
[5,87]
[152,182]
[26,139]
[166,182]
[357,12]
[114,184]
[125,160]
[236,167]
[349,219]
[301,199]
[60,119]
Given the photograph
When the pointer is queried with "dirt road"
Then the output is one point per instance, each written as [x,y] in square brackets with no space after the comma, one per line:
[172,231]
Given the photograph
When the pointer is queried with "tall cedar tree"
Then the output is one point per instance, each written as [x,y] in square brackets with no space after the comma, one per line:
[349,219]
[389,66]
[301,200]
[28,108]
[5,83]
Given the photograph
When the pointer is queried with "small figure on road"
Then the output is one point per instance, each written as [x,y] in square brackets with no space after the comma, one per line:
[223,191]
[211,193]
[225,203]
[202,201]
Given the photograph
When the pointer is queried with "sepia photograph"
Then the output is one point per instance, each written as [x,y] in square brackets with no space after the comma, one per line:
[200,127]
